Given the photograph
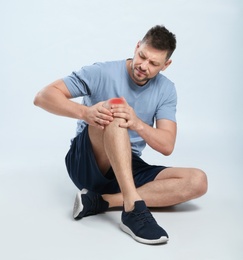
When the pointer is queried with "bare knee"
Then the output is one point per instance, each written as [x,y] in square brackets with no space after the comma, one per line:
[114,129]
[115,123]
[199,182]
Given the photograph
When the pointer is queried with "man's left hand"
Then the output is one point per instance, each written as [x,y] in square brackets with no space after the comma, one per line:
[126,112]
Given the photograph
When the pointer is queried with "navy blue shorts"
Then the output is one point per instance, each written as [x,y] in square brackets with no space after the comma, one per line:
[84,172]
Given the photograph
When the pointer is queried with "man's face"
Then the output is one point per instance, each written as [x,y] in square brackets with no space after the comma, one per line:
[147,63]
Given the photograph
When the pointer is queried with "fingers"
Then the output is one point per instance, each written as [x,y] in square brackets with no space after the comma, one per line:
[124,125]
[127,113]
[98,116]
[104,108]
[121,111]
[103,119]
[103,113]
[108,110]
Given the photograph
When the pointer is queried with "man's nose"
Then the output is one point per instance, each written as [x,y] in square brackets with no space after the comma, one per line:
[144,65]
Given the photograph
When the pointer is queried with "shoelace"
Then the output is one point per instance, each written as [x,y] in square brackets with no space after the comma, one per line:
[144,216]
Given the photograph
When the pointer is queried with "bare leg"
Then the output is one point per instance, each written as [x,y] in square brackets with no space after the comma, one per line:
[111,146]
[171,186]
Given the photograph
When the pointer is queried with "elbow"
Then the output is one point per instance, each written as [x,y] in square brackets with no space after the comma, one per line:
[167,150]
[37,100]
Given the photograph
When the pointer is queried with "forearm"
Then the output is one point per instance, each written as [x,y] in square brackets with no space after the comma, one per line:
[55,101]
[161,140]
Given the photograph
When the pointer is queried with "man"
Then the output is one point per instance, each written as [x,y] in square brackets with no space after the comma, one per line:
[121,102]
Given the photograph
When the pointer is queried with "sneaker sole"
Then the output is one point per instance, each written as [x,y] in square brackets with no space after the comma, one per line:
[160,240]
[78,205]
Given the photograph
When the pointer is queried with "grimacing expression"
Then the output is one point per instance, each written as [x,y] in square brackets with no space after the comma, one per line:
[147,63]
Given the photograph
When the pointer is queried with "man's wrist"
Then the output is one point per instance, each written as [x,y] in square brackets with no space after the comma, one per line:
[82,111]
[139,126]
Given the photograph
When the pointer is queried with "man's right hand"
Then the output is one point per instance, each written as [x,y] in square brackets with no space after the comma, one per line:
[98,116]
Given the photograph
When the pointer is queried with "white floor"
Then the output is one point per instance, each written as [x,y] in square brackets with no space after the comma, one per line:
[47,40]
[36,223]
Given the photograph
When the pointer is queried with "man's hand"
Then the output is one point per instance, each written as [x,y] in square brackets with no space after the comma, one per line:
[99,116]
[126,112]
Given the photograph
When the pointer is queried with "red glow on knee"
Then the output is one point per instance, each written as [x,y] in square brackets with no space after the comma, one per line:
[116,101]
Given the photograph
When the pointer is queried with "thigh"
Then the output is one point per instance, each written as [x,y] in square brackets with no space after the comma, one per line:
[193,181]
[189,174]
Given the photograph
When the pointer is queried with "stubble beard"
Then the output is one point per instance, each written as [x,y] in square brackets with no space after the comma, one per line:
[137,79]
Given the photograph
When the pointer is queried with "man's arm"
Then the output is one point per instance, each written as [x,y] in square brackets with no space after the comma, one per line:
[55,98]
[162,138]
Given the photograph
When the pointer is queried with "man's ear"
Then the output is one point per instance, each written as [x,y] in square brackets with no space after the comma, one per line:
[166,65]
[138,45]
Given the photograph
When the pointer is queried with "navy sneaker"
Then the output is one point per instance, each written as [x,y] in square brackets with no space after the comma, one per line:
[88,203]
[141,225]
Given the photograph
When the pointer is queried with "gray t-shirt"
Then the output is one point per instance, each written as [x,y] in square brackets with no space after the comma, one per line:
[155,100]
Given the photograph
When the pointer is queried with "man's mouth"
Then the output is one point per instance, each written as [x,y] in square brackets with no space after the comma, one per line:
[141,72]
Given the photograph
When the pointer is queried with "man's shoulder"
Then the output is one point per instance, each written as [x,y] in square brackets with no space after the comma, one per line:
[162,79]
[162,85]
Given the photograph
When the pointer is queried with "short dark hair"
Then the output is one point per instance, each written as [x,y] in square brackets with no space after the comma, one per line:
[160,38]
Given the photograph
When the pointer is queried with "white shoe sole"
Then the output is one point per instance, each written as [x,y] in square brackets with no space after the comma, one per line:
[78,205]
[160,240]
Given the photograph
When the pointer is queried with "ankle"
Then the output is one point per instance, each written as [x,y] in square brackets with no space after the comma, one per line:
[114,200]
[129,205]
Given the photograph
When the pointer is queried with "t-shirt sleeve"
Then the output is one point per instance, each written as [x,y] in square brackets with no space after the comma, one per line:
[167,106]
[83,82]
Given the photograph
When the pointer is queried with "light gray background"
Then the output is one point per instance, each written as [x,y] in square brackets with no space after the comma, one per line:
[42,41]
